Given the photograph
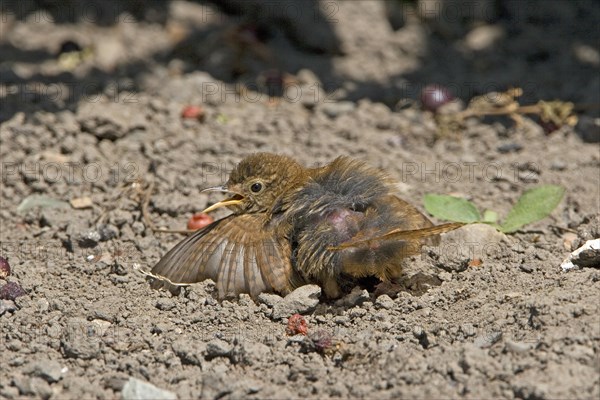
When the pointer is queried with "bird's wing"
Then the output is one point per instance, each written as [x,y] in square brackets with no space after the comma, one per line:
[400,234]
[239,253]
[389,230]
[407,224]
[395,219]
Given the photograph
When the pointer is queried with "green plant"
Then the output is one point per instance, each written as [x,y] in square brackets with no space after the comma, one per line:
[533,205]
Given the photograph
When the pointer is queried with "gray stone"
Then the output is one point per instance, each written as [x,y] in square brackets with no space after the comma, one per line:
[269,299]
[216,385]
[309,91]
[483,37]
[189,351]
[302,300]
[473,357]
[136,389]
[517,347]
[307,77]
[9,392]
[81,339]
[48,370]
[252,352]
[421,335]
[7,306]
[92,237]
[588,129]
[384,301]
[333,110]
[469,242]
[526,268]
[109,52]
[166,304]
[218,348]
[355,298]
[488,339]
[558,165]
[110,120]
[33,386]
[57,218]
[509,147]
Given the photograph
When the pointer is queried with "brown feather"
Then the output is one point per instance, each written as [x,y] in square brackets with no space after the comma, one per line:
[318,225]
[233,253]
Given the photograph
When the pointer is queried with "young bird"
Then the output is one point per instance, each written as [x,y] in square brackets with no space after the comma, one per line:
[293,225]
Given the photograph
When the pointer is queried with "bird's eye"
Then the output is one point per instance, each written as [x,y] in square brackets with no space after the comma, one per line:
[256,187]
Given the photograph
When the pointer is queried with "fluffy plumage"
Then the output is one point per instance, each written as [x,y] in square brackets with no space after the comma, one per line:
[292,225]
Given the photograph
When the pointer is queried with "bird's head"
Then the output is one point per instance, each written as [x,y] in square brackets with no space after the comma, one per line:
[258,182]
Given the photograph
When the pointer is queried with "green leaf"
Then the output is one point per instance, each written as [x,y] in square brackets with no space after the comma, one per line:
[39,200]
[451,208]
[532,206]
[490,216]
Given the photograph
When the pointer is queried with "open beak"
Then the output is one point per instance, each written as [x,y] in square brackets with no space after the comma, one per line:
[235,199]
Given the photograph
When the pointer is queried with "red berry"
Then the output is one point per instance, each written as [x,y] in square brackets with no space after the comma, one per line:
[548,127]
[199,220]
[297,325]
[434,96]
[4,268]
[11,291]
[192,112]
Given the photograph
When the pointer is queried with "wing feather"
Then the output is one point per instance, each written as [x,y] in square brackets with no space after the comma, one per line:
[254,282]
[389,230]
[239,253]
[225,268]
[391,218]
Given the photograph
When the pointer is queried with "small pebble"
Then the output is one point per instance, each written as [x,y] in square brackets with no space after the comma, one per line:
[165,304]
[509,148]
[218,348]
[384,301]
[138,389]
[300,301]
[333,110]
[355,298]
[558,165]
[7,306]
[49,370]
[526,268]
[517,347]
[488,339]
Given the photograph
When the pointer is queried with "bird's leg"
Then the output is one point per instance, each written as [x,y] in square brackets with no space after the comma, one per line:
[331,287]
